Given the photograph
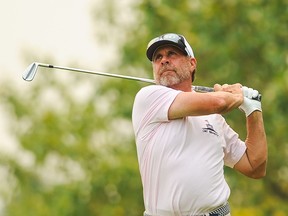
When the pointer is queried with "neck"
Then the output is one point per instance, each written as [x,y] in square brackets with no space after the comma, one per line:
[185,86]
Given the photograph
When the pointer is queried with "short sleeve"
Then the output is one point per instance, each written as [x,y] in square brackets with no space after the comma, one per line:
[234,147]
[151,105]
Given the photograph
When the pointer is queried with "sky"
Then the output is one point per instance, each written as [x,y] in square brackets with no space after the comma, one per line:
[33,30]
[61,29]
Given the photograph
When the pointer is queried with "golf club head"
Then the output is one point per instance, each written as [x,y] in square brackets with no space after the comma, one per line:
[30,72]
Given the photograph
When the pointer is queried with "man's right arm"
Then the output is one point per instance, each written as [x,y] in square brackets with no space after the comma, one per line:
[224,99]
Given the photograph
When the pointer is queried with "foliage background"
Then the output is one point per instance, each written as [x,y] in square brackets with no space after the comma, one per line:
[76,131]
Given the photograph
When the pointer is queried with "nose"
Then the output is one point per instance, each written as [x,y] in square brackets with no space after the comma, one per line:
[165,60]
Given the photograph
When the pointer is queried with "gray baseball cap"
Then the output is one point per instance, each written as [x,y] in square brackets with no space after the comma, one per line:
[166,39]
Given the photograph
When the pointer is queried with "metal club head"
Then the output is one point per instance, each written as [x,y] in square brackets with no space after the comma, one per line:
[30,72]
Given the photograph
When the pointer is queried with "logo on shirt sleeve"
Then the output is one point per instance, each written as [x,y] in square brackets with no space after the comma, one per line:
[209,129]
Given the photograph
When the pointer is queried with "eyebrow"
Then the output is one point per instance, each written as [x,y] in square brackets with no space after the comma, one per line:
[168,49]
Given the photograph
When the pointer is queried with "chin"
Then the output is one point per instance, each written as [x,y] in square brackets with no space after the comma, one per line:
[169,81]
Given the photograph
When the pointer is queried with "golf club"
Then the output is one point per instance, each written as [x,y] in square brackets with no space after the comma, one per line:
[31,70]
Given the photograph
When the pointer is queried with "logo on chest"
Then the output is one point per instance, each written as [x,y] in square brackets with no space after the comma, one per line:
[209,129]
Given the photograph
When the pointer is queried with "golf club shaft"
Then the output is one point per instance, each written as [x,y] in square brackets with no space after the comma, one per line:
[30,72]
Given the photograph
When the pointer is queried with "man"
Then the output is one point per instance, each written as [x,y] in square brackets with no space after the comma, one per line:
[183,141]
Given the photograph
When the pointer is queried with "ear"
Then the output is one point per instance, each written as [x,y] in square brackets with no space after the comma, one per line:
[193,62]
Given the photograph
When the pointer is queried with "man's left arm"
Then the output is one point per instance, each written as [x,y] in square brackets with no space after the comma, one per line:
[253,162]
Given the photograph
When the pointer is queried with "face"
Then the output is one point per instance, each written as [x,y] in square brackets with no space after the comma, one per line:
[172,67]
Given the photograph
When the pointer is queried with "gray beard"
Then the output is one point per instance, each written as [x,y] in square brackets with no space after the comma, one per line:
[173,80]
[169,80]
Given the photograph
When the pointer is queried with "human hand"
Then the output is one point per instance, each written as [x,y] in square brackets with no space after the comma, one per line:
[233,88]
[249,104]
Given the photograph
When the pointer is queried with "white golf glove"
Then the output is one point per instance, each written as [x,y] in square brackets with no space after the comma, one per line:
[249,105]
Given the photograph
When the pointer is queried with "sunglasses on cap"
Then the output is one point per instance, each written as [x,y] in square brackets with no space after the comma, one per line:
[170,38]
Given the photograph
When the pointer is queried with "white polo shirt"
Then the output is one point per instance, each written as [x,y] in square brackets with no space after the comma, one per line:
[181,161]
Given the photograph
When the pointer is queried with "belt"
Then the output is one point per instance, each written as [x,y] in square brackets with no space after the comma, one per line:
[221,211]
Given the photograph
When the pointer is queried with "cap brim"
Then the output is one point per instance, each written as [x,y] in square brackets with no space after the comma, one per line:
[150,51]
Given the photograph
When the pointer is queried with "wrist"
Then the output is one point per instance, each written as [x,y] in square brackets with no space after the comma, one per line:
[249,106]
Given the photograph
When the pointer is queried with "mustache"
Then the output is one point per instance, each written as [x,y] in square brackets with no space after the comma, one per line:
[166,68]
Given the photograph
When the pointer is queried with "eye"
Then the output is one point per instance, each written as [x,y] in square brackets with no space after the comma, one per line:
[157,57]
[171,53]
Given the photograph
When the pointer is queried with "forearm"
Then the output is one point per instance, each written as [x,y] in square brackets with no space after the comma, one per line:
[256,142]
[227,101]
[195,104]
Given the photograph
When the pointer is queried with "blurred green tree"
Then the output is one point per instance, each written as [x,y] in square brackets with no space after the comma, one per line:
[80,147]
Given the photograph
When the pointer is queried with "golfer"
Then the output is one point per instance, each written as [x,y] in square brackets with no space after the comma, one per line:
[183,141]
